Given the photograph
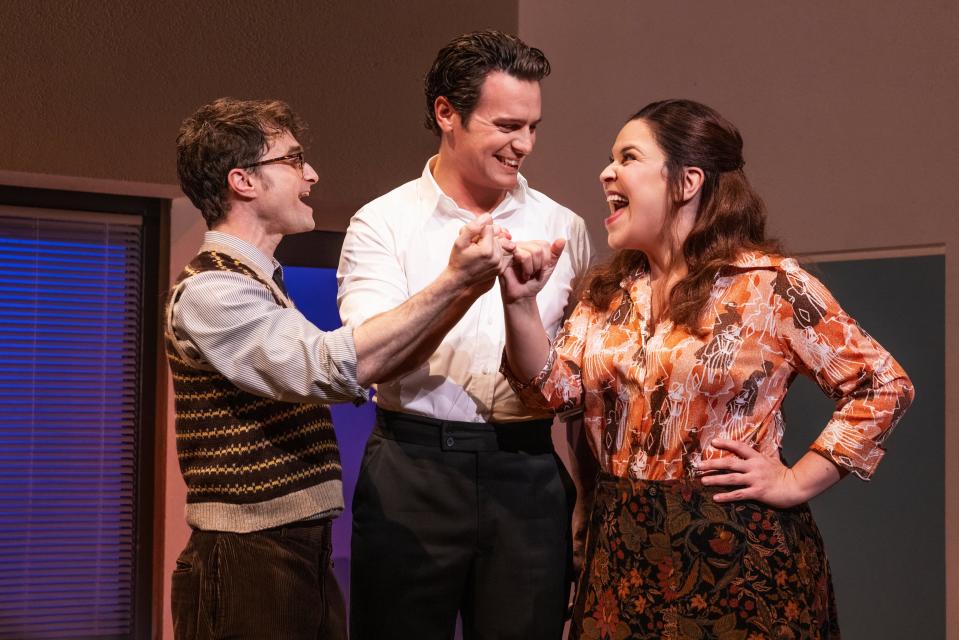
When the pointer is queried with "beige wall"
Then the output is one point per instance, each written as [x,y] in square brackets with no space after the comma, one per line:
[848,110]
[98,89]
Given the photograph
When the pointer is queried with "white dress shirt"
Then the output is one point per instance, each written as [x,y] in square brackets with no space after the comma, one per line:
[229,322]
[399,243]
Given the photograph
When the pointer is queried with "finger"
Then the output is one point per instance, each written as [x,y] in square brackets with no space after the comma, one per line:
[727,463]
[732,496]
[725,480]
[475,227]
[741,449]
[524,261]
[536,261]
[506,244]
[557,247]
[487,242]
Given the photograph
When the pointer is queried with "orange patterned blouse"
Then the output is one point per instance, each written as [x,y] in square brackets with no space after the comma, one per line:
[654,400]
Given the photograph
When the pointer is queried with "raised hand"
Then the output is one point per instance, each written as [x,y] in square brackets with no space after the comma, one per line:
[480,252]
[532,264]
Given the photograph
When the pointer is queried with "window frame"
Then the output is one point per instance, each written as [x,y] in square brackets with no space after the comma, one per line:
[148,531]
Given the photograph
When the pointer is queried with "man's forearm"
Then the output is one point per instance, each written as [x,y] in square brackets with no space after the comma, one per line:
[399,340]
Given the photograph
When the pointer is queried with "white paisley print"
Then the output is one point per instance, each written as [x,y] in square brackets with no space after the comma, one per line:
[655,397]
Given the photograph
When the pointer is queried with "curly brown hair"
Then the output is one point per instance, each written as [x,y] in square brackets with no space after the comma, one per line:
[221,136]
[731,217]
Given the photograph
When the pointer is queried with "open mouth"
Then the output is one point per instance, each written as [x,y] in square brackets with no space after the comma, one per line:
[617,204]
[616,201]
[304,195]
[509,163]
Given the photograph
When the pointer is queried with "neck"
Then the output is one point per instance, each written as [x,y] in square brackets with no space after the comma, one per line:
[467,196]
[666,260]
[253,233]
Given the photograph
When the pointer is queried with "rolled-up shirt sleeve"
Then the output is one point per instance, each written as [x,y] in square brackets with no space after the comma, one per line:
[232,323]
[871,389]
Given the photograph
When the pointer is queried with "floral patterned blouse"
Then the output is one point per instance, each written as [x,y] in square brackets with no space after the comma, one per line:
[655,397]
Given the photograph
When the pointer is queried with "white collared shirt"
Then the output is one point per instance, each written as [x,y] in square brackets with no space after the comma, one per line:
[399,243]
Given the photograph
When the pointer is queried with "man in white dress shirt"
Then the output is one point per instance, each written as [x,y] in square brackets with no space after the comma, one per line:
[461,504]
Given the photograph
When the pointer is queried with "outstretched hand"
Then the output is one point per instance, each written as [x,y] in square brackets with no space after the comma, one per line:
[754,475]
[532,264]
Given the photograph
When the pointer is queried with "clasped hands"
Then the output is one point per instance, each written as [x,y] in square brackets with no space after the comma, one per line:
[484,251]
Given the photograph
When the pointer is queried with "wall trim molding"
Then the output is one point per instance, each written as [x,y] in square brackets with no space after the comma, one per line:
[876,253]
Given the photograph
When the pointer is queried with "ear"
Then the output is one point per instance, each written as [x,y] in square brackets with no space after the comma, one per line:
[445,114]
[241,184]
[692,182]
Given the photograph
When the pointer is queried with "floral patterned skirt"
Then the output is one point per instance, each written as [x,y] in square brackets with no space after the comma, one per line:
[663,560]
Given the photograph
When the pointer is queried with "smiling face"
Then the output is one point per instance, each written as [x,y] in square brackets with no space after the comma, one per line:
[487,151]
[637,190]
[280,201]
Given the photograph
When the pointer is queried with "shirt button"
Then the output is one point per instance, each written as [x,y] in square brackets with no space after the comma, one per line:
[450,441]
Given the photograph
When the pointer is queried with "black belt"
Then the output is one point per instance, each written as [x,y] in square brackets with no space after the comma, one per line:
[528,436]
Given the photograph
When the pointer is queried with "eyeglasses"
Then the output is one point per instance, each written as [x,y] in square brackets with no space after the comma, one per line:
[295,159]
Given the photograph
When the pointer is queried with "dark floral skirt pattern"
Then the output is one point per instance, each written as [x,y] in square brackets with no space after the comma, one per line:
[664,561]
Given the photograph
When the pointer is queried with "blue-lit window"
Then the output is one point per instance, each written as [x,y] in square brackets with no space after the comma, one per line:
[70,376]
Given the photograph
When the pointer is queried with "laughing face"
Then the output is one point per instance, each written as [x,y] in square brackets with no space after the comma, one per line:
[489,149]
[285,186]
[636,188]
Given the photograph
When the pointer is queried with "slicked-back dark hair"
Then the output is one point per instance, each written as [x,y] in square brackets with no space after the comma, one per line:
[221,136]
[462,65]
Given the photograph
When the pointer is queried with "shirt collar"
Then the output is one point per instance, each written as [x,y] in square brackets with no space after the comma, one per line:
[432,196]
[246,250]
[757,260]
[746,261]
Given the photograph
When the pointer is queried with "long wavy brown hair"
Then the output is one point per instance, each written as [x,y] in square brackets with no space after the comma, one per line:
[731,217]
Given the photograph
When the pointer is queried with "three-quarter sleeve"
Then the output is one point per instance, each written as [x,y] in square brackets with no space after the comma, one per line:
[559,384]
[870,388]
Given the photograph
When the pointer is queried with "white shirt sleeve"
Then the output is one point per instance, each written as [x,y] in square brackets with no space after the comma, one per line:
[232,323]
[370,277]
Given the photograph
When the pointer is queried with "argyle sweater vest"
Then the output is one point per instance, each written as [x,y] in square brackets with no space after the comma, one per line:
[249,462]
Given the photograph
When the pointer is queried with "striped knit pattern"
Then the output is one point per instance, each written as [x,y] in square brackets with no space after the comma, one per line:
[245,457]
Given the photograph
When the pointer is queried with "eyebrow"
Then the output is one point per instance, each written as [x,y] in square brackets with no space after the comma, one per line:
[627,148]
[294,149]
[520,121]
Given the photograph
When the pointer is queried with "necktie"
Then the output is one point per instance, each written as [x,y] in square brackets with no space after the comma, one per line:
[278,279]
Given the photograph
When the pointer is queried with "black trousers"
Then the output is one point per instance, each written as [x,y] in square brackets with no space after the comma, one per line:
[461,517]
[276,583]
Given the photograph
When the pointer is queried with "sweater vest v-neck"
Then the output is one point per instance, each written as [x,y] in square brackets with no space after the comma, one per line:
[249,462]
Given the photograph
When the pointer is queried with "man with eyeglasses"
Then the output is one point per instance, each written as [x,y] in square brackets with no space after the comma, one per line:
[252,378]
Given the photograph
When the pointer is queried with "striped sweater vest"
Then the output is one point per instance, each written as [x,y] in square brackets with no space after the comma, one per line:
[249,462]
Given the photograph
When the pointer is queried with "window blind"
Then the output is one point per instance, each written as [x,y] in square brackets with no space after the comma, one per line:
[70,301]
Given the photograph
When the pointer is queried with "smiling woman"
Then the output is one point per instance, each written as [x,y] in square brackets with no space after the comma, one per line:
[681,352]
